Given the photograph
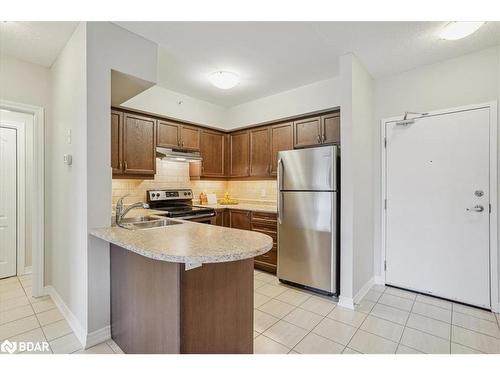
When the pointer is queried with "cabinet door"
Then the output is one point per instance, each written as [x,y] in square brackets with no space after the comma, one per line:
[281,140]
[307,132]
[239,154]
[331,128]
[219,218]
[139,145]
[212,149]
[190,138]
[260,152]
[116,141]
[240,219]
[168,134]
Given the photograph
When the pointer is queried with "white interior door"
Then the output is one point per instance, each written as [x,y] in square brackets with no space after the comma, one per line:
[437,172]
[8,202]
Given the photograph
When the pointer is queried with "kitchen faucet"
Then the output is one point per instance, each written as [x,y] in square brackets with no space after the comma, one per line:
[121,211]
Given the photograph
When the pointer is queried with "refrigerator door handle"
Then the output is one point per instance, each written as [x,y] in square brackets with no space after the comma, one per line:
[280,172]
[280,197]
[280,206]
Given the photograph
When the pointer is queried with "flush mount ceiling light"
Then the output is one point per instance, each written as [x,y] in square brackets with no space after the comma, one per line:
[224,80]
[458,30]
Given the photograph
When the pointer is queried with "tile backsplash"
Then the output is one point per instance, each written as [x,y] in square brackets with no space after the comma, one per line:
[175,175]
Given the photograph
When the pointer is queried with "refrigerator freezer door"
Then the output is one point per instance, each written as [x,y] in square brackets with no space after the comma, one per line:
[306,237]
[308,169]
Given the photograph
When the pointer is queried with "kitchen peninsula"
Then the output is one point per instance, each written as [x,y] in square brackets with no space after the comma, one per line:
[183,288]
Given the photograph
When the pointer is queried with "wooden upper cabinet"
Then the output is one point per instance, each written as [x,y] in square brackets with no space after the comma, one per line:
[331,128]
[281,140]
[307,132]
[239,154]
[168,134]
[212,149]
[260,152]
[116,141]
[139,145]
[190,138]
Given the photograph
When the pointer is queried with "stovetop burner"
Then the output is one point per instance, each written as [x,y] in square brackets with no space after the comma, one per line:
[177,204]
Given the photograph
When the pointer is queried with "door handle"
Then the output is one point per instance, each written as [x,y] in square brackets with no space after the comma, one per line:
[280,206]
[477,208]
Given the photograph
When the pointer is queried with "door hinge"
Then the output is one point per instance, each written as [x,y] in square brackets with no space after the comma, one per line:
[385,265]
[385,142]
[385,204]
[489,205]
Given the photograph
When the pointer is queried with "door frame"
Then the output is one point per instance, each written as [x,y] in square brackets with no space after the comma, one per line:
[20,195]
[494,255]
[36,163]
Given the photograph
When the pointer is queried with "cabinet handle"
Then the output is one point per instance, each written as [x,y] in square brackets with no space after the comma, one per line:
[319,138]
[126,167]
[324,138]
[120,166]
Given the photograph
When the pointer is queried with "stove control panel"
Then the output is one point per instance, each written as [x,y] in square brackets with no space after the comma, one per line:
[162,195]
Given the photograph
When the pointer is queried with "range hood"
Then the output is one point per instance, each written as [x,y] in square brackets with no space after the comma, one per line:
[177,155]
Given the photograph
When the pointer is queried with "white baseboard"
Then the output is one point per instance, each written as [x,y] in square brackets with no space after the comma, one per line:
[96,337]
[379,280]
[364,289]
[73,322]
[27,270]
[346,302]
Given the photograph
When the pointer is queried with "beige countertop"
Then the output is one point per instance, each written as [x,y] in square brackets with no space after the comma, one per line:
[188,242]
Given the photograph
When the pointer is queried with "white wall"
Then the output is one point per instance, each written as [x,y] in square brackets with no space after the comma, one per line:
[25,83]
[302,100]
[108,47]
[164,102]
[66,186]
[356,180]
[469,79]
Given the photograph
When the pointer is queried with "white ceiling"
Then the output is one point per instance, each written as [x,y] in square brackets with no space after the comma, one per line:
[35,42]
[277,56]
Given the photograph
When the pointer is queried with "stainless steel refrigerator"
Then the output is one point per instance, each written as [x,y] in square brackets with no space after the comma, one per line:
[308,230]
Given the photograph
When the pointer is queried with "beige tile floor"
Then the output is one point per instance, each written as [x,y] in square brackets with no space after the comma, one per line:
[388,320]
[24,318]
[289,320]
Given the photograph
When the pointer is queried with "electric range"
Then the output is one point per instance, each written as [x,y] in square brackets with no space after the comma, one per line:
[178,204]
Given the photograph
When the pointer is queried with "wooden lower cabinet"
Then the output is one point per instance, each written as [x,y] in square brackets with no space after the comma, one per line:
[266,223]
[262,222]
[240,219]
[159,307]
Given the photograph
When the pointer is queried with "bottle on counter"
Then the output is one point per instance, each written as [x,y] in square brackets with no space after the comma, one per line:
[203,198]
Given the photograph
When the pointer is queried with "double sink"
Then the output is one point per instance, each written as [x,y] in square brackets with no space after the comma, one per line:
[146,222]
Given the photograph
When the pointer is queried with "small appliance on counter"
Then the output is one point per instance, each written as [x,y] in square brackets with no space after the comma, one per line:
[178,204]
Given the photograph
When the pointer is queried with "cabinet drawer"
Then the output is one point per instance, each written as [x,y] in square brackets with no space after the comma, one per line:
[271,257]
[270,233]
[267,216]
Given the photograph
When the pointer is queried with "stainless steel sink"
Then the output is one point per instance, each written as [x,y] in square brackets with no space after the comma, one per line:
[151,224]
[139,219]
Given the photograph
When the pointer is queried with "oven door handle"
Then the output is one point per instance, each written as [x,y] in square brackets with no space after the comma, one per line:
[194,217]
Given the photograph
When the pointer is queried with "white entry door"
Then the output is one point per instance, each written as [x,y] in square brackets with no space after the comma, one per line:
[437,216]
[8,202]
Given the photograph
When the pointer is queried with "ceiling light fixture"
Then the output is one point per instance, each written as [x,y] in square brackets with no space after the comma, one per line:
[224,80]
[458,30]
